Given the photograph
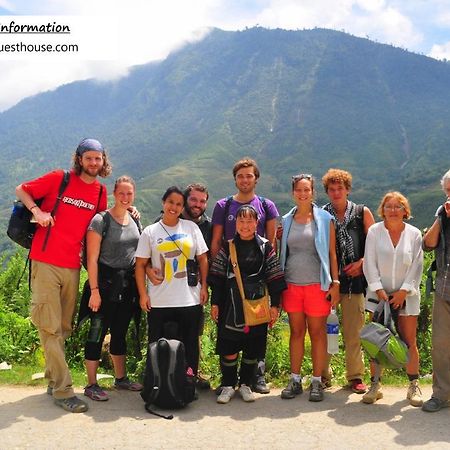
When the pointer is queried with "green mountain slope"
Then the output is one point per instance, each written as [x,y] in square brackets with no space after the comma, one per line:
[297,101]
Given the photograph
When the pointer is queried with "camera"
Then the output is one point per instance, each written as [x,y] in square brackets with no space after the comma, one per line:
[192,272]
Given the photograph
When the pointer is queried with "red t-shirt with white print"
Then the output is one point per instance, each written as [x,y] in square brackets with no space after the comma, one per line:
[77,207]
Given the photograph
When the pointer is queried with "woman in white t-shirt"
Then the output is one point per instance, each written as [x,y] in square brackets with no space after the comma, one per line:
[393,262]
[173,245]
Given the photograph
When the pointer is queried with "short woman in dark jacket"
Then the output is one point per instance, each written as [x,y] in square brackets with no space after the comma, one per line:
[259,266]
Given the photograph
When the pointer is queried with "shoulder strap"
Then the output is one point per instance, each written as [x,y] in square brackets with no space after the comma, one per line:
[235,266]
[360,212]
[173,348]
[264,205]
[138,224]
[99,197]
[106,222]
[361,233]
[226,211]
[62,188]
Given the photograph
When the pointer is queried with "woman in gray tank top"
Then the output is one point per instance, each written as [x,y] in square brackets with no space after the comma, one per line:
[111,292]
[308,257]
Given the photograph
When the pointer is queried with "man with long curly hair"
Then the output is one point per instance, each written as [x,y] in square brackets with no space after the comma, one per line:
[62,220]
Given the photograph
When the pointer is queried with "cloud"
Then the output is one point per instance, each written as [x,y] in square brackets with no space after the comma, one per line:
[375,18]
[6,5]
[441,51]
[150,29]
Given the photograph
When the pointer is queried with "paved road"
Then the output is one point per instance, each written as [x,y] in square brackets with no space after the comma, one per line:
[28,419]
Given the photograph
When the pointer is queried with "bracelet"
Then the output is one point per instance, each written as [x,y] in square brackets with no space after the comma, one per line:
[34,206]
[335,281]
[94,288]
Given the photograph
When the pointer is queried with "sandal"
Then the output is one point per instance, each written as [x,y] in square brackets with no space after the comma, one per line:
[95,392]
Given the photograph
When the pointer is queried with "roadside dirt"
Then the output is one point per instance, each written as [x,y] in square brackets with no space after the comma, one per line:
[29,419]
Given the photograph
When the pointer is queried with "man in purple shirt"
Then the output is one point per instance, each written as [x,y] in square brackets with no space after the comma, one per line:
[246,174]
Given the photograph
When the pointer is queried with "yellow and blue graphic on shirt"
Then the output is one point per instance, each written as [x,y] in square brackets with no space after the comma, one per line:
[173,252]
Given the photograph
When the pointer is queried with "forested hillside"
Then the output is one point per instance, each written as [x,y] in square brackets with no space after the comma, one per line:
[297,101]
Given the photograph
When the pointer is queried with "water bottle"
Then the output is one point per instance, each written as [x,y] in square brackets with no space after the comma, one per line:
[333,332]
[95,330]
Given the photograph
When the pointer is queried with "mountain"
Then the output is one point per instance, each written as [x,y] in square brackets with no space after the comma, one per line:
[297,101]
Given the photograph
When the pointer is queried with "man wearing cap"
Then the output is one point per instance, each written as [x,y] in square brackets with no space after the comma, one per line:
[55,256]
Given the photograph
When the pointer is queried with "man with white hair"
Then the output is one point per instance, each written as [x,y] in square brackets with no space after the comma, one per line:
[437,238]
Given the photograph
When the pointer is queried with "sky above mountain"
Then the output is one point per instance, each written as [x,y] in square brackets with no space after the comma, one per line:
[148,30]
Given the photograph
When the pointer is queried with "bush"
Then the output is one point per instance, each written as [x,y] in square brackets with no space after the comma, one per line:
[19,340]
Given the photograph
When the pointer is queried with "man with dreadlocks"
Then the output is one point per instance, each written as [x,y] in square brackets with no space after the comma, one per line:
[352,223]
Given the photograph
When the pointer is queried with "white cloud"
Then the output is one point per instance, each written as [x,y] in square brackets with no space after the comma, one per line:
[150,29]
[440,51]
[359,17]
[443,19]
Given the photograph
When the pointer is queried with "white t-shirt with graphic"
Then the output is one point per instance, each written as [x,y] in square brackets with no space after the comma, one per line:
[169,248]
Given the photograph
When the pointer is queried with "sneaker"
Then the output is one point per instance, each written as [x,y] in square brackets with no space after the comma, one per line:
[218,390]
[292,389]
[49,390]
[434,404]
[226,394]
[72,404]
[357,386]
[373,394]
[127,384]
[260,386]
[95,392]
[246,393]
[201,382]
[414,394]
[316,392]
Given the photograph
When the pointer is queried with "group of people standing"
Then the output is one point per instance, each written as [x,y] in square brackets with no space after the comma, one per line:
[309,260]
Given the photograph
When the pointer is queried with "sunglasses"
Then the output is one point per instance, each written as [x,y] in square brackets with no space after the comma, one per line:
[302,176]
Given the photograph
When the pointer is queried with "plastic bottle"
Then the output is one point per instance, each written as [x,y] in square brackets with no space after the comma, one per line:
[95,330]
[333,332]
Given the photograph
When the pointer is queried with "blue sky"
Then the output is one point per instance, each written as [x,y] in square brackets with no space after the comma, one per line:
[150,29]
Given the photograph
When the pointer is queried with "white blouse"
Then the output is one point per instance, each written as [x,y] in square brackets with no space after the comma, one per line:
[394,268]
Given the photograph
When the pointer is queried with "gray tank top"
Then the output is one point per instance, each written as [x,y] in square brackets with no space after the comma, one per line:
[303,262]
[119,245]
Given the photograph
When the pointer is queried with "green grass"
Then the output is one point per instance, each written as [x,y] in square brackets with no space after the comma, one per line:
[23,375]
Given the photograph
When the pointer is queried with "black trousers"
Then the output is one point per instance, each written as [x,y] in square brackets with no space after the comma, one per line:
[186,321]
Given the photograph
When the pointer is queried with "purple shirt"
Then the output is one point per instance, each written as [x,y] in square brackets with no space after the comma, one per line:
[229,223]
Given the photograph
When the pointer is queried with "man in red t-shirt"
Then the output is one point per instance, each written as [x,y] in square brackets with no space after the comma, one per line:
[56,262]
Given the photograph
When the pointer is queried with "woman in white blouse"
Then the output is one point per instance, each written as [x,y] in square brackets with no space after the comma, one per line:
[393,262]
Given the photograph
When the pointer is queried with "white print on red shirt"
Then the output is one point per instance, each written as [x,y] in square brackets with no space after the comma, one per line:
[78,203]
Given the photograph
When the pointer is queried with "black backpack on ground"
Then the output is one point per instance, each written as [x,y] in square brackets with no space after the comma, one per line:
[166,382]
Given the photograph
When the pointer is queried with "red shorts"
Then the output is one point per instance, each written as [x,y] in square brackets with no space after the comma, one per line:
[309,299]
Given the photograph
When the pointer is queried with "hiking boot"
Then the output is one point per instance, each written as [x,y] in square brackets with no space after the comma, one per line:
[201,382]
[414,394]
[316,392]
[226,394]
[95,392]
[72,404]
[260,385]
[434,404]
[246,393]
[373,394]
[357,386]
[127,384]
[292,389]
